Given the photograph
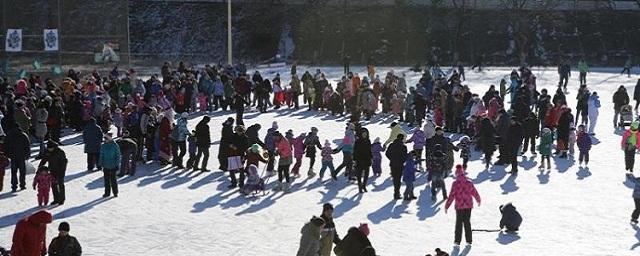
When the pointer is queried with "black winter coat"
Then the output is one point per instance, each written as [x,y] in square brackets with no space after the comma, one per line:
[203,139]
[18,145]
[127,145]
[225,139]
[515,134]
[442,140]
[311,142]
[531,126]
[487,137]
[362,152]
[65,246]
[511,218]
[620,98]
[636,92]
[57,160]
[253,136]
[240,143]
[397,154]
[355,243]
[564,124]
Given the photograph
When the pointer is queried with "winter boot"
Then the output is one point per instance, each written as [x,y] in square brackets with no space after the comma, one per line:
[311,174]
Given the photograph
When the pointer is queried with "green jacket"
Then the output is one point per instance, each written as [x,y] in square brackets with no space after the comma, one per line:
[546,142]
[583,67]
[394,134]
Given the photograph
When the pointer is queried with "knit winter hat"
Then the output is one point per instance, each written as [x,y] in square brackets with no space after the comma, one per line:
[64,226]
[546,130]
[364,228]
[634,125]
[274,125]
[255,148]
[459,170]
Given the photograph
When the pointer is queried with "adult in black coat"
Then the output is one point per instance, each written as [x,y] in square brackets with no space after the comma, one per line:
[487,140]
[355,243]
[253,135]
[439,138]
[531,131]
[559,98]
[514,137]
[18,149]
[57,160]
[397,154]
[564,127]
[636,94]
[203,142]
[225,141]
[620,98]
[238,148]
[362,157]
[511,218]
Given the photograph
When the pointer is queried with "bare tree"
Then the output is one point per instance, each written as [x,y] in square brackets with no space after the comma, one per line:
[524,17]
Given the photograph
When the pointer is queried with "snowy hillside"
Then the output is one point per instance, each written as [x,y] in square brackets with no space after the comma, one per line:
[567,211]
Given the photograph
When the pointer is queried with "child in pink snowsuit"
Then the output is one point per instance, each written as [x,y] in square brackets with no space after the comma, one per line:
[298,152]
[43,181]
[202,100]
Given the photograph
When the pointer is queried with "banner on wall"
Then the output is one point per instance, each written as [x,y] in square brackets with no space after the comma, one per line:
[51,39]
[13,41]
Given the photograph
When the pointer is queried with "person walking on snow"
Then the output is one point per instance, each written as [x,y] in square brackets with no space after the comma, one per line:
[409,176]
[57,160]
[395,130]
[584,145]
[620,98]
[583,68]
[397,154]
[110,161]
[376,151]
[362,157]
[630,144]
[462,192]
[593,110]
[636,198]
[419,140]
[328,235]
[310,239]
[311,142]
[546,142]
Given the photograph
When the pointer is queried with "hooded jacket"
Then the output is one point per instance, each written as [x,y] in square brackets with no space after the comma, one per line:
[29,237]
[92,137]
[462,192]
[395,131]
[310,239]
[511,218]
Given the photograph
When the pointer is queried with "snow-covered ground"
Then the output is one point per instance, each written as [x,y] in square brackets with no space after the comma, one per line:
[567,211]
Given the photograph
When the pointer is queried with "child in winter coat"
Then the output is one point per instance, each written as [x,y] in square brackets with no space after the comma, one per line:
[298,152]
[419,140]
[584,145]
[310,240]
[43,181]
[511,218]
[636,197]
[409,176]
[546,142]
[327,160]
[572,141]
[193,148]
[464,146]
[202,101]
[376,151]
[117,121]
[283,149]
[462,192]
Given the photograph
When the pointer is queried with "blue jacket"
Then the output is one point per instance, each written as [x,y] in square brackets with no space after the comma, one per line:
[409,170]
[92,137]
[270,140]
[636,188]
[110,155]
[218,88]
[205,85]
[181,131]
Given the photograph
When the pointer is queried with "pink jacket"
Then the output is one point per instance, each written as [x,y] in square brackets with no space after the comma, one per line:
[21,87]
[283,148]
[462,191]
[43,182]
[298,146]
[626,136]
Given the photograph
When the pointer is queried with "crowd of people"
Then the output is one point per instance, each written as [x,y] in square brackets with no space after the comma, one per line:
[150,120]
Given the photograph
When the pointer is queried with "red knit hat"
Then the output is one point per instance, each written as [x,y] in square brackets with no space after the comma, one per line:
[364,228]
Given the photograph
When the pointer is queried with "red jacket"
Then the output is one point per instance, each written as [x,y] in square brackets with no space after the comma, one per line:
[29,237]
[463,192]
